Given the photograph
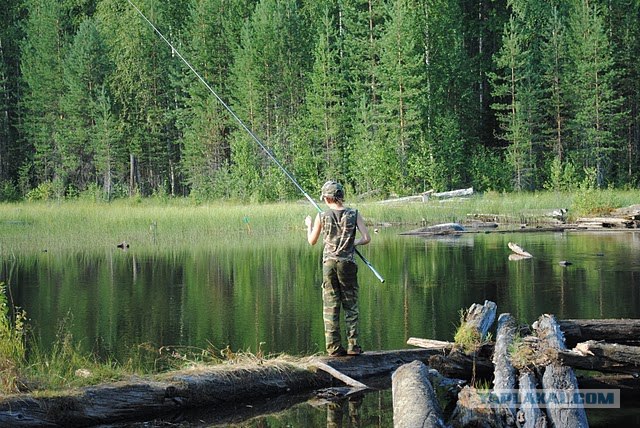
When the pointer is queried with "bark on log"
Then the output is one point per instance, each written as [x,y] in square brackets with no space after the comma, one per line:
[558,377]
[414,401]
[474,411]
[216,387]
[459,365]
[625,331]
[504,379]
[529,415]
[602,357]
[481,317]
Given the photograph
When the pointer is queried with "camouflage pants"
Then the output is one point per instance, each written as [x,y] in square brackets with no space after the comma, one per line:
[340,289]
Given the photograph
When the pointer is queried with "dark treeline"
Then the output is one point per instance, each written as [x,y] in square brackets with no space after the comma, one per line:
[388,96]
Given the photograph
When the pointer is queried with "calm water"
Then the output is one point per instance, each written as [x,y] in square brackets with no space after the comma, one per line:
[267,296]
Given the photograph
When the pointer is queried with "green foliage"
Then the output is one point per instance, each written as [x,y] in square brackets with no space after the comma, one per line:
[591,199]
[562,178]
[12,344]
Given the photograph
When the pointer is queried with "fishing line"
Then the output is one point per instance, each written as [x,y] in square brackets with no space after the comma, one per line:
[245,127]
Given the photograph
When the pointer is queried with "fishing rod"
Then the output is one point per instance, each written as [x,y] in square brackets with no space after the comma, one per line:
[246,128]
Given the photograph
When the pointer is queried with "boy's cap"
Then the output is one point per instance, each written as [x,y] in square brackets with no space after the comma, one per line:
[332,189]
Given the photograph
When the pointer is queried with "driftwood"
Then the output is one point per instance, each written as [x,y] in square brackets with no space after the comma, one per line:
[474,411]
[430,344]
[518,250]
[626,331]
[603,357]
[414,400]
[437,230]
[219,386]
[481,317]
[459,365]
[558,377]
[504,379]
[606,223]
[529,415]
[454,193]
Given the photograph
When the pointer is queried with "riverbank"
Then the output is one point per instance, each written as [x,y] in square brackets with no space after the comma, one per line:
[80,225]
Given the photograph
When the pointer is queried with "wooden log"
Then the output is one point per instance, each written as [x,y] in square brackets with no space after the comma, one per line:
[430,343]
[518,250]
[558,378]
[625,331]
[474,410]
[481,317]
[529,414]
[599,356]
[459,365]
[414,401]
[454,193]
[216,387]
[605,222]
[504,378]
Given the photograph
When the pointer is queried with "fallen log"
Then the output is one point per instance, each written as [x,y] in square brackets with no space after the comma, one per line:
[518,250]
[529,414]
[459,365]
[454,193]
[625,331]
[430,343]
[480,317]
[504,378]
[558,378]
[219,386]
[602,357]
[414,400]
[475,409]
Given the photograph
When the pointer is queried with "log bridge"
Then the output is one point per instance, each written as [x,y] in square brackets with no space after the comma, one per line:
[445,366]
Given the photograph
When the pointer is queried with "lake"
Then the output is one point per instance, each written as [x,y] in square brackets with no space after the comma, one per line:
[265,296]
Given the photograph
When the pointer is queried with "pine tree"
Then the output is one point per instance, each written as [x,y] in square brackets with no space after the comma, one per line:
[41,66]
[84,72]
[595,102]
[510,85]
[214,26]
[268,74]
[402,81]
[11,154]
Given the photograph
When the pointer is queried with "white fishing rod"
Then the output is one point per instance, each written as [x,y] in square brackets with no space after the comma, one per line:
[245,127]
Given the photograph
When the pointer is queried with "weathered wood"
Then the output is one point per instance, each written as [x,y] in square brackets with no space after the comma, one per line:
[474,411]
[340,376]
[518,250]
[558,377]
[218,386]
[605,222]
[481,317]
[414,401]
[459,365]
[625,331]
[437,229]
[504,378]
[430,343]
[529,414]
[602,357]
[454,193]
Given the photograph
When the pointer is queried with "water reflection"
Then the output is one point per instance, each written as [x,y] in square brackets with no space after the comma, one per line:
[268,297]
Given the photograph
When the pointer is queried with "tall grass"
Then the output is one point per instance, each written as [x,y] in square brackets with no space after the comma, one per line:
[181,223]
[12,344]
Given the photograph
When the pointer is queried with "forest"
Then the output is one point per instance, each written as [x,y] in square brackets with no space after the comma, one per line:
[390,97]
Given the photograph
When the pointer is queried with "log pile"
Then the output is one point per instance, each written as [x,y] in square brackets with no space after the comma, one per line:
[531,362]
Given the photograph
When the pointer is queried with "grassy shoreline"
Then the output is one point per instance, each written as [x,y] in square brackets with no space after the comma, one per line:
[179,223]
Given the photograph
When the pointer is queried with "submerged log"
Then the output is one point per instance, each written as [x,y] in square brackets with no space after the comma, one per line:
[459,365]
[414,400]
[624,331]
[602,357]
[219,386]
[558,377]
